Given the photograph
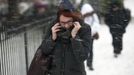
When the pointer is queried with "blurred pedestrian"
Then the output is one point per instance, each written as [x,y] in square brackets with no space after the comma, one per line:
[91,18]
[117,19]
[23,7]
[40,9]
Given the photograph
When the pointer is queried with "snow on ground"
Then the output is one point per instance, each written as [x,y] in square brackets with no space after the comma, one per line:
[129,4]
[104,61]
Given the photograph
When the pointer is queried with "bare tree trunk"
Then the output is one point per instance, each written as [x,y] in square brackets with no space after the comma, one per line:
[12,9]
[95,4]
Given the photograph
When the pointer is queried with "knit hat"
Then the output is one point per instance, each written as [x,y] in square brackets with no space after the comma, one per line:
[67,5]
[40,5]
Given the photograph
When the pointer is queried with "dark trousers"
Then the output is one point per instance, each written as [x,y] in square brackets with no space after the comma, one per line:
[117,42]
[90,55]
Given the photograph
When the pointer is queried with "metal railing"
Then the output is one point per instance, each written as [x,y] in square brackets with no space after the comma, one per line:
[18,45]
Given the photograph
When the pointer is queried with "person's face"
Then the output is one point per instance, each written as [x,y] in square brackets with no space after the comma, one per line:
[41,10]
[66,22]
[115,8]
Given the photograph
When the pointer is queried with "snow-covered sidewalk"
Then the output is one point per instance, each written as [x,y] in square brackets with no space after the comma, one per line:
[104,61]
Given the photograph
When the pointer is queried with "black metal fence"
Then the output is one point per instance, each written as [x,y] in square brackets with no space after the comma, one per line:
[18,45]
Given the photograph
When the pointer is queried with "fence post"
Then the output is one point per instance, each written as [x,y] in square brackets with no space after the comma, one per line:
[26,48]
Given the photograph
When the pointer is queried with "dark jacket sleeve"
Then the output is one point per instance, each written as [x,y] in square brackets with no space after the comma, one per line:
[81,44]
[127,17]
[108,19]
[47,45]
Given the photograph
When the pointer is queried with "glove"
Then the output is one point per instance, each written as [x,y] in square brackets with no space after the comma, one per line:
[96,36]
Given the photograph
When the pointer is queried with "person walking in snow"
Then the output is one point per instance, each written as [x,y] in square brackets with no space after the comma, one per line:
[91,18]
[117,19]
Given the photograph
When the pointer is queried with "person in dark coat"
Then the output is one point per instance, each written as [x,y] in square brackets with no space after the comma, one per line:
[117,20]
[68,41]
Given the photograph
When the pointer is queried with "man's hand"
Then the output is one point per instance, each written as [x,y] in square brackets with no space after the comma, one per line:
[96,36]
[55,29]
[76,28]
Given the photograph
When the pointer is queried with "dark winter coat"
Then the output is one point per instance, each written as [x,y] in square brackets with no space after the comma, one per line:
[117,20]
[69,55]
